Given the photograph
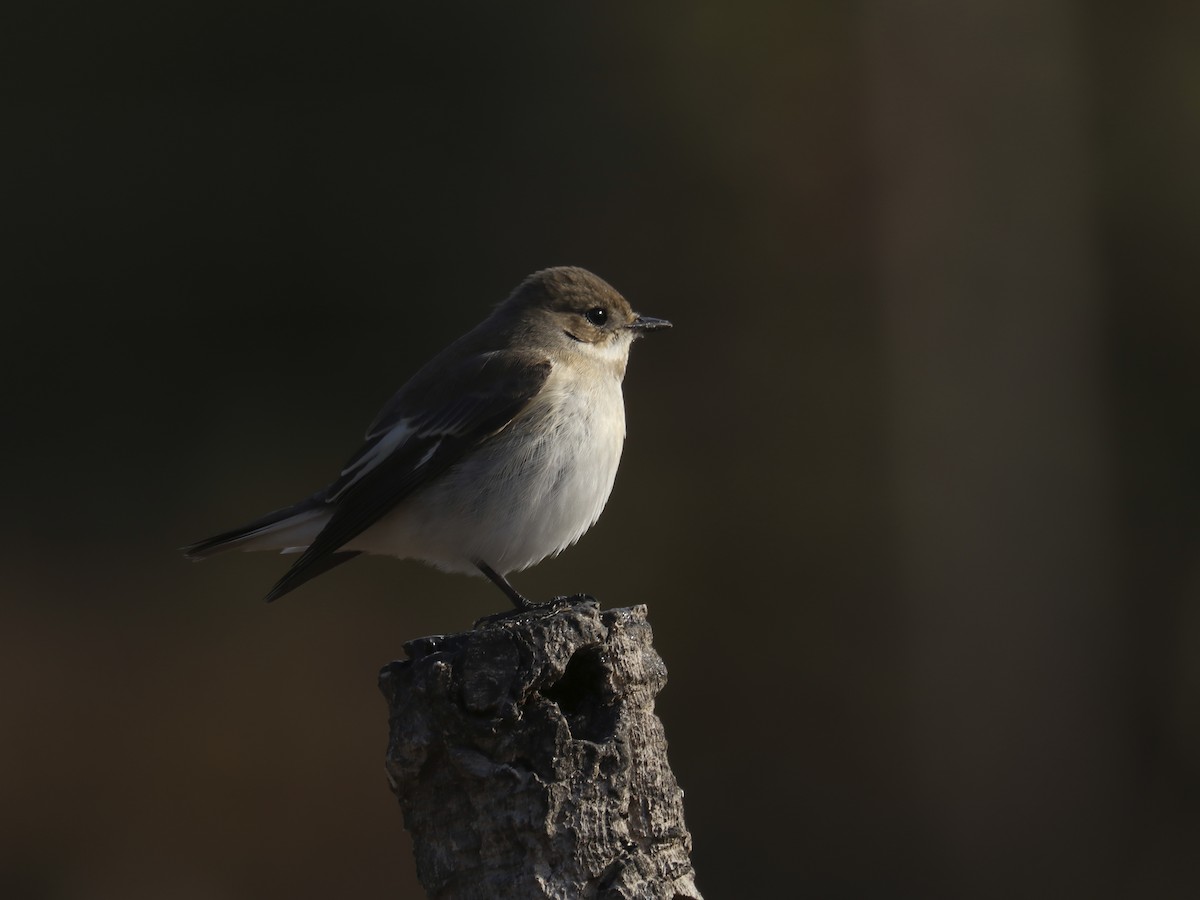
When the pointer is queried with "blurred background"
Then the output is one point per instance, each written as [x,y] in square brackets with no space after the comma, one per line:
[911,490]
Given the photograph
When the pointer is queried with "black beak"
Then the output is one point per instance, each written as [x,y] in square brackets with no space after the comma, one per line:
[648,323]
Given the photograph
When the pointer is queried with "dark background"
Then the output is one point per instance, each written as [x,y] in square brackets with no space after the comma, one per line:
[911,490]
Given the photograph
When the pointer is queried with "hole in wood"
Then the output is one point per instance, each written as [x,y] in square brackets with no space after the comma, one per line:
[585,695]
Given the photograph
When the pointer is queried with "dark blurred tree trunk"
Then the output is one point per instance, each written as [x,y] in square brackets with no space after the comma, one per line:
[529,763]
[995,337]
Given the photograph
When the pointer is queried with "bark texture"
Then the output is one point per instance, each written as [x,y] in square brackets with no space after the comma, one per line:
[529,763]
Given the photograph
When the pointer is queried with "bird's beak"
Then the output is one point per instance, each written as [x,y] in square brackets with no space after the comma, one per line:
[648,323]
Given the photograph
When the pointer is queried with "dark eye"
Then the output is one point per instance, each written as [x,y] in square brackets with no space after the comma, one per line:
[597,316]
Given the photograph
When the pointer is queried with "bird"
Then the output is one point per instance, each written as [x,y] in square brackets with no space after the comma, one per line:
[500,451]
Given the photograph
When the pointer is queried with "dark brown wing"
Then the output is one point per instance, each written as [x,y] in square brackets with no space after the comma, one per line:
[430,425]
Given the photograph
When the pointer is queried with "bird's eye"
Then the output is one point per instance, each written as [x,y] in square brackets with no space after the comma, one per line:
[597,316]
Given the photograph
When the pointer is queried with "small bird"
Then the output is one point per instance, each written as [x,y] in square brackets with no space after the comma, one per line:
[499,452]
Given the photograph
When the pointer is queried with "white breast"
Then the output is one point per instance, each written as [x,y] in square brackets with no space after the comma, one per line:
[530,492]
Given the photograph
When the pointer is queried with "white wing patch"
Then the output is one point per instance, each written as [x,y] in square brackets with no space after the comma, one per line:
[395,437]
[429,454]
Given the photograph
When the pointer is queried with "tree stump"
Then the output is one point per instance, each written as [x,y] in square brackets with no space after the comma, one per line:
[529,763]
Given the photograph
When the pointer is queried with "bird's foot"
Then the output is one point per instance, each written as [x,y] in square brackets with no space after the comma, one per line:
[570,600]
[536,609]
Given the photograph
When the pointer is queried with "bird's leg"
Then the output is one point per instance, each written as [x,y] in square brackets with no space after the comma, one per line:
[522,603]
[518,599]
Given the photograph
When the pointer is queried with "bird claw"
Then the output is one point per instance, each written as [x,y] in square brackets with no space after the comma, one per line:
[552,605]
[570,600]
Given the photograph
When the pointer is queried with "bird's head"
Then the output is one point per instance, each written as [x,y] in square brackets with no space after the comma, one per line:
[573,311]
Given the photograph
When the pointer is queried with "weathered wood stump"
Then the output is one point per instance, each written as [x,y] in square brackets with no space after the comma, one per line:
[529,763]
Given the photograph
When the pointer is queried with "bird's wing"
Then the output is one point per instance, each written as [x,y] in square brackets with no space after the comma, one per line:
[421,432]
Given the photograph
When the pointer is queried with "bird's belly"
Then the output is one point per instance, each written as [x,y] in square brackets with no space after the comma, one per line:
[528,493]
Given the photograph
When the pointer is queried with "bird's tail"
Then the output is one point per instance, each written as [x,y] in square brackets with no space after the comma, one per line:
[284,529]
